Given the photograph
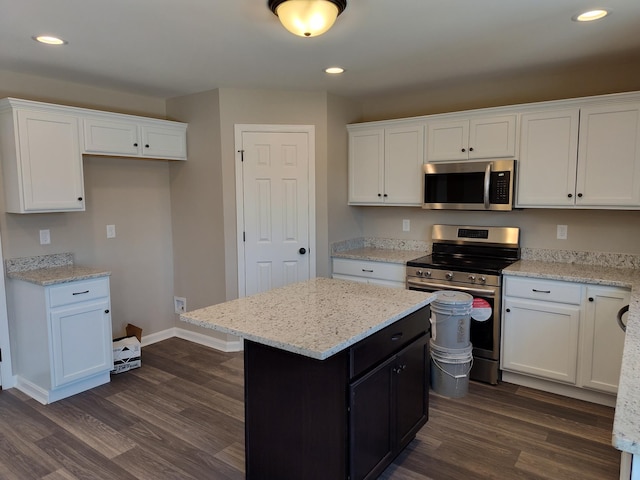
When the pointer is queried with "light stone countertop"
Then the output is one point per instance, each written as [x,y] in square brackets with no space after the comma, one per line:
[316,318]
[50,269]
[56,275]
[380,255]
[626,426]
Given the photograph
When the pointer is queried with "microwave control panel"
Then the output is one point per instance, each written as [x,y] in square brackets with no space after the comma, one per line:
[500,187]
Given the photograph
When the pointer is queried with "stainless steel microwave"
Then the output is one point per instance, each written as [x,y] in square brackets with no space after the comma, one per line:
[469,185]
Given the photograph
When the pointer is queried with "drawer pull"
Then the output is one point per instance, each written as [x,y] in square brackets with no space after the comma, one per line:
[541,291]
[396,336]
[368,271]
[80,293]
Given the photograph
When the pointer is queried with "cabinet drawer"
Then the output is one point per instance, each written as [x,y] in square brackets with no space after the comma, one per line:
[361,268]
[376,348]
[547,290]
[80,291]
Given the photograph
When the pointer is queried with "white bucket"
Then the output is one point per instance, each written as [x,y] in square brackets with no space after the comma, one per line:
[451,319]
[450,368]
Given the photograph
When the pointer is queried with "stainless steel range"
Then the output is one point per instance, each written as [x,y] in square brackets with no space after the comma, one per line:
[471,259]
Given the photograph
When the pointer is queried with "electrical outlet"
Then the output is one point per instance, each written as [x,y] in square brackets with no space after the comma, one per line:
[562,232]
[111,231]
[180,304]
[406,225]
[45,237]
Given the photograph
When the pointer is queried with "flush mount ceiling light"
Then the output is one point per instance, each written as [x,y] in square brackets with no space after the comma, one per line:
[591,15]
[334,70]
[49,40]
[307,18]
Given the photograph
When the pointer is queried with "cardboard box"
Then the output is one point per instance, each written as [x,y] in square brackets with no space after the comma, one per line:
[126,354]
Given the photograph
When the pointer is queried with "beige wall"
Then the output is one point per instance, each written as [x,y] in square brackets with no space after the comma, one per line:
[132,194]
[594,77]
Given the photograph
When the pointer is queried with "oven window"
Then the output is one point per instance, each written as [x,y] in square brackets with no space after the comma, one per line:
[454,187]
[482,332]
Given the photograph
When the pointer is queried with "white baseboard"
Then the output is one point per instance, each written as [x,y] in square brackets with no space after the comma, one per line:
[195,337]
[560,389]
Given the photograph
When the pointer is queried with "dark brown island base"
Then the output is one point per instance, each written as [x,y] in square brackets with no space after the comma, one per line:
[333,403]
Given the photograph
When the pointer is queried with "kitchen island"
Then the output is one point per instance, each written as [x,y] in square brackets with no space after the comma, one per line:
[336,376]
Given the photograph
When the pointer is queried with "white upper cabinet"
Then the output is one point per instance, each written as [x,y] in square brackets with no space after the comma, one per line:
[118,135]
[581,157]
[546,168]
[475,138]
[42,145]
[41,160]
[385,164]
[609,156]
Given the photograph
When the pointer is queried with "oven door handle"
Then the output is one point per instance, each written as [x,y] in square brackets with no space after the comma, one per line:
[440,286]
[487,184]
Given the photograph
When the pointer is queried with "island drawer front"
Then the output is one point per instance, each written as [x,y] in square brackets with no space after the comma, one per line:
[79,291]
[363,268]
[541,289]
[379,346]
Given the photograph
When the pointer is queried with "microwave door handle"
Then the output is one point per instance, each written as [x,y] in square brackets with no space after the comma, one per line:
[487,183]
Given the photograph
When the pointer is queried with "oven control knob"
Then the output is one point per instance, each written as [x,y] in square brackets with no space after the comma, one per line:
[419,273]
[427,273]
[483,279]
[472,278]
[449,276]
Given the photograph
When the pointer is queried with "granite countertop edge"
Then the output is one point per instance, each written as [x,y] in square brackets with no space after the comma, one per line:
[626,426]
[346,324]
[58,275]
[373,254]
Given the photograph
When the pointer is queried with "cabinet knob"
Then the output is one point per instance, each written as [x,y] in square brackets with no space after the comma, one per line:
[79,199]
[508,310]
[146,146]
[471,149]
[580,195]
[379,194]
[135,144]
[570,195]
[591,299]
[385,195]
[106,311]
[464,150]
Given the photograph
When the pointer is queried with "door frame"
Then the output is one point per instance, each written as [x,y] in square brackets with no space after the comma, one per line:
[239,129]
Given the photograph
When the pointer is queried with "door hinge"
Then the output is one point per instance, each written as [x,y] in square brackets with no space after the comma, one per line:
[244,236]
[0,354]
[241,152]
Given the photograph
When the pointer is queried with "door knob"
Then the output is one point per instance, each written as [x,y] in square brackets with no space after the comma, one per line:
[302,251]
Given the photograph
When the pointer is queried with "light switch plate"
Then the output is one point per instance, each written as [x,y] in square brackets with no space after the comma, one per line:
[111,231]
[45,237]
[562,232]
[406,225]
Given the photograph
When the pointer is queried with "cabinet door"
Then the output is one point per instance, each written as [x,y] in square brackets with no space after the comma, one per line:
[111,137]
[50,162]
[609,156]
[492,137]
[164,141]
[447,140]
[81,341]
[603,339]
[412,390]
[370,423]
[541,339]
[366,166]
[547,161]
[404,157]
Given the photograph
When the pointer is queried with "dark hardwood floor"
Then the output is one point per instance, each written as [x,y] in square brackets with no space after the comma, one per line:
[180,416]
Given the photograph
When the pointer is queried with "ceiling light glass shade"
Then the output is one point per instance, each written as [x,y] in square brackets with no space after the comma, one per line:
[307,18]
[49,40]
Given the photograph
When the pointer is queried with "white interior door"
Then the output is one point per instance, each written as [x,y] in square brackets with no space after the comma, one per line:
[275,211]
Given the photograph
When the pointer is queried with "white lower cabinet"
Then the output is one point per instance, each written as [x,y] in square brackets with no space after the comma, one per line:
[379,273]
[564,332]
[62,337]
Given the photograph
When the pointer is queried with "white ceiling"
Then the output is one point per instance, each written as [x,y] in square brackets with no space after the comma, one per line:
[167,48]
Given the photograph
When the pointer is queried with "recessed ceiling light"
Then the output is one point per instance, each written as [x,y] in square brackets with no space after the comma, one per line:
[334,70]
[590,15]
[49,40]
